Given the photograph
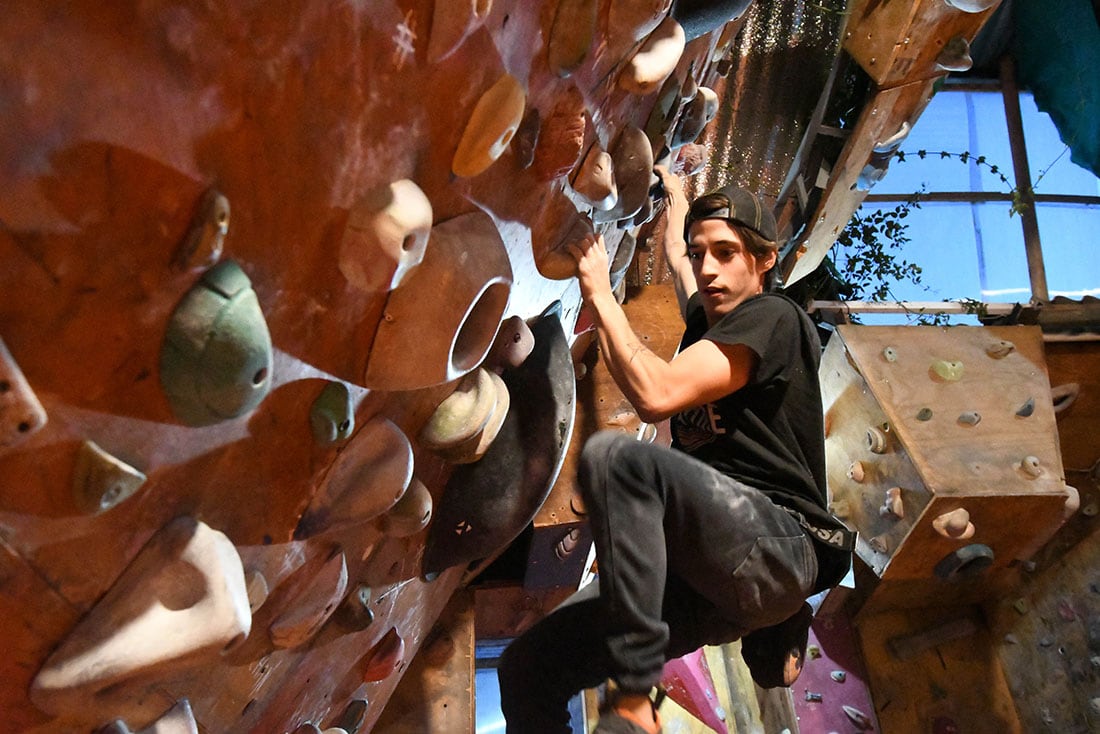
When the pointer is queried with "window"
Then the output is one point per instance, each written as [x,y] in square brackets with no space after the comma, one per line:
[965,235]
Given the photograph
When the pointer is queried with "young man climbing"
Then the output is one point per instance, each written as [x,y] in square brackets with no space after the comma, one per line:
[724,535]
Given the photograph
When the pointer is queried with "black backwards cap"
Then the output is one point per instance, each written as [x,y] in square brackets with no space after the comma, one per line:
[741,207]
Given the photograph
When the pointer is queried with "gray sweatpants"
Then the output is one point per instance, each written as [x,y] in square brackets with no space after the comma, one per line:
[687,557]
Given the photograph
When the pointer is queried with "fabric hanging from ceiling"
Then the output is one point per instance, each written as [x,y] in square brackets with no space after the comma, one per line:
[1057,50]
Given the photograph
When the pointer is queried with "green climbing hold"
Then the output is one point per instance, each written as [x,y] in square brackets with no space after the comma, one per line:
[947,370]
[216,360]
[332,416]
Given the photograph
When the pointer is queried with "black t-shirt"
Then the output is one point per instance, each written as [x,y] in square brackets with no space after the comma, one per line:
[770,433]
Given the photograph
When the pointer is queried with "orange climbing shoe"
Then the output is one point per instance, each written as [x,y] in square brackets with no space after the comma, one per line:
[775,654]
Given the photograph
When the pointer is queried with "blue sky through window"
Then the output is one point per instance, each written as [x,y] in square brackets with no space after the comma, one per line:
[976,250]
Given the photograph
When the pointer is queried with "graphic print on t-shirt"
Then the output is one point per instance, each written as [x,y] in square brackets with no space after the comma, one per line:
[696,427]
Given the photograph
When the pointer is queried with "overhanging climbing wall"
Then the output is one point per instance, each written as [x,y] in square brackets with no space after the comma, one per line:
[256,262]
[942,453]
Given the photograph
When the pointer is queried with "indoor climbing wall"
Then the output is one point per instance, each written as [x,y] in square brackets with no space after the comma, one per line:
[282,284]
[943,454]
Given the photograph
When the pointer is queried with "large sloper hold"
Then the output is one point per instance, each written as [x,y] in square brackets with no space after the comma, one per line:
[654,60]
[316,591]
[485,505]
[367,478]
[492,124]
[571,35]
[180,602]
[439,324]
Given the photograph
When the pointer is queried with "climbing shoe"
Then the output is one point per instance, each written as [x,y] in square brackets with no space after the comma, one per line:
[775,654]
[614,720]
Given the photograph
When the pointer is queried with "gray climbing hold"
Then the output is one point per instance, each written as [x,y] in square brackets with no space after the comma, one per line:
[215,363]
[966,562]
[924,414]
[970,418]
[355,613]
[355,713]
[955,55]
[568,543]
[1027,408]
[879,545]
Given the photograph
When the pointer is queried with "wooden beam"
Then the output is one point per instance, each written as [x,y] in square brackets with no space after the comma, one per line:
[980,197]
[1011,95]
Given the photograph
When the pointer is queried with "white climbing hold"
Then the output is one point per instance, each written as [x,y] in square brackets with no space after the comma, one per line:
[970,418]
[1073,502]
[101,481]
[1064,396]
[1031,466]
[181,601]
[385,237]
